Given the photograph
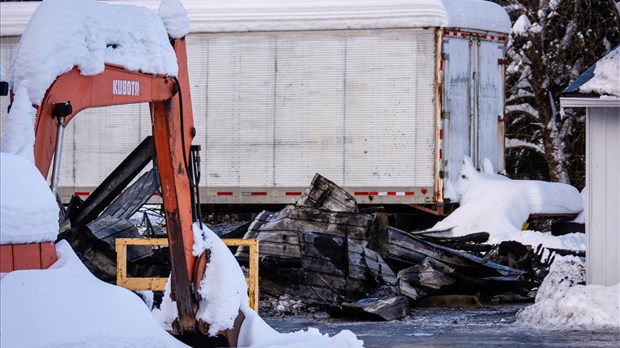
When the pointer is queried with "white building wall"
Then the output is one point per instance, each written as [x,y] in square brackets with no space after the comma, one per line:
[603,209]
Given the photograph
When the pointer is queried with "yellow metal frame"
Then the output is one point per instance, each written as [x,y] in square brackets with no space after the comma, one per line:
[158,284]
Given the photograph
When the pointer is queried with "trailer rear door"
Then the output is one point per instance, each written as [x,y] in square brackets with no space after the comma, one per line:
[473,100]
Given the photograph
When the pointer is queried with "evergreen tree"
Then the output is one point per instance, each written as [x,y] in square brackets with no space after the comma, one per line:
[552,42]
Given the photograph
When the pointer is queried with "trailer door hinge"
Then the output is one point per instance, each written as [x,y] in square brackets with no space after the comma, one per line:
[445,56]
[445,115]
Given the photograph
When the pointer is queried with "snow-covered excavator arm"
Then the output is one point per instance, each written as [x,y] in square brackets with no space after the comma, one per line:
[173,129]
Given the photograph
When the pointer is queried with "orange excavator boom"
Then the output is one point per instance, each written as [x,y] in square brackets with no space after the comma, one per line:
[173,129]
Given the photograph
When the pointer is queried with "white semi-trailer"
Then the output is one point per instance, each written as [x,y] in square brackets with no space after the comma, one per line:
[384,98]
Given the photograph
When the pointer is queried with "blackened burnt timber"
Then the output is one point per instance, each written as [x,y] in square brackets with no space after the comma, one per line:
[425,278]
[325,195]
[277,233]
[405,248]
[336,269]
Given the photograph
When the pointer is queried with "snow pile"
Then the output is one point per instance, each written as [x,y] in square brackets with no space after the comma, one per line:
[66,306]
[255,333]
[224,293]
[606,80]
[562,301]
[28,209]
[492,203]
[62,34]
[174,16]
[285,305]
[220,304]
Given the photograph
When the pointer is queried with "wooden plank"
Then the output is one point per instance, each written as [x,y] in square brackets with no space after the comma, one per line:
[109,189]
[6,258]
[285,225]
[26,256]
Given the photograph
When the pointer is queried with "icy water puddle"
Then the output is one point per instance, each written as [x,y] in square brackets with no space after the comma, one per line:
[487,326]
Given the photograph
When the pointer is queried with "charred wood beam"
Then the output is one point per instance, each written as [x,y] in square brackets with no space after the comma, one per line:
[114,183]
[134,197]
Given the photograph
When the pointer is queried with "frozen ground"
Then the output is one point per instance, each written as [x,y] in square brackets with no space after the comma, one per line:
[486,326]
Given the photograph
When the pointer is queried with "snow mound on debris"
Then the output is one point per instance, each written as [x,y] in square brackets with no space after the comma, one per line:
[495,204]
[562,300]
[606,80]
[62,34]
[28,209]
[223,289]
[66,306]
[220,304]
[224,293]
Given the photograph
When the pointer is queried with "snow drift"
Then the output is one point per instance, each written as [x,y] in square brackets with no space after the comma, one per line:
[495,204]
[562,300]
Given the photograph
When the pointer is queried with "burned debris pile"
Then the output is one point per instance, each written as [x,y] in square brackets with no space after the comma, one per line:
[327,252]
[324,251]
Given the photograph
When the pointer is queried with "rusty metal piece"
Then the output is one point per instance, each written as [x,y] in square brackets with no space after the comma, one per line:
[199,272]
[232,335]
